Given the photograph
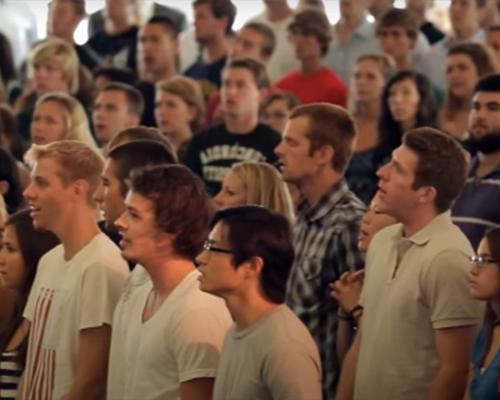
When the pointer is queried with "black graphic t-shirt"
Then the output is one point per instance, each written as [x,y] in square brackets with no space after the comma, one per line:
[212,152]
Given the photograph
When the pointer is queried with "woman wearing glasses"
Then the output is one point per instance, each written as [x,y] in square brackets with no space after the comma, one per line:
[485,285]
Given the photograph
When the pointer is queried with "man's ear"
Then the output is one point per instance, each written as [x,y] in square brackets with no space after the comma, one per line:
[253,267]
[4,187]
[324,154]
[427,194]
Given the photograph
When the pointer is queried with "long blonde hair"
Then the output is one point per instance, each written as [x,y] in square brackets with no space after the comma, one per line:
[265,186]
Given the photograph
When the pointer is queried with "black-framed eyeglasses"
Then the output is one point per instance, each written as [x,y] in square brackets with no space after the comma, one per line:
[481,260]
[209,246]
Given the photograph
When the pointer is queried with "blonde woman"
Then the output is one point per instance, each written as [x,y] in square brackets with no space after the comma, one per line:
[255,183]
[59,116]
[179,110]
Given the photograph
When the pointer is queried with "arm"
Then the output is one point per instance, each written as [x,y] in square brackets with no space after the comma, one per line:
[453,347]
[91,364]
[345,390]
[25,328]
[197,389]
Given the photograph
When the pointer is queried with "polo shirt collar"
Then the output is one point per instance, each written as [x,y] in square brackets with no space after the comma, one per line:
[421,237]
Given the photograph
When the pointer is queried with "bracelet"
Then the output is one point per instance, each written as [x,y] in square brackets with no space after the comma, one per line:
[358,307]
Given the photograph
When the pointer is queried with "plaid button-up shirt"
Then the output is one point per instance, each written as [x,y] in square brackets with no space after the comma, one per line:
[325,238]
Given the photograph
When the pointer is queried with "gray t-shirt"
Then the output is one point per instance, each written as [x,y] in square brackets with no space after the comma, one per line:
[275,358]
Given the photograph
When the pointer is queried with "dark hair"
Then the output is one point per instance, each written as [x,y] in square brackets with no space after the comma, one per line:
[399,17]
[78,6]
[138,154]
[257,69]
[292,100]
[254,231]
[8,71]
[312,22]
[9,129]
[390,132]
[9,172]
[441,164]
[329,125]
[492,237]
[181,205]
[269,42]
[33,245]
[116,74]
[135,101]
[220,9]
[489,83]
[171,28]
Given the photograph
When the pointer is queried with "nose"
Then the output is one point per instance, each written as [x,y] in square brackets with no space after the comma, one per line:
[278,150]
[201,259]
[382,171]
[218,200]
[28,192]
[120,223]
[98,194]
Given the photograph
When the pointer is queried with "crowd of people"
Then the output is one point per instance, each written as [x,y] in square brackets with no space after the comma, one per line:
[292,210]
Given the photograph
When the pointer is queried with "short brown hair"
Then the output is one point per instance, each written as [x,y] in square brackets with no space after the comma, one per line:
[257,69]
[220,9]
[76,160]
[140,133]
[329,125]
[441,164]
[269,38]
[78,5]
[181,205]
[135,100]
[190,92]
[315,23]
[399,17]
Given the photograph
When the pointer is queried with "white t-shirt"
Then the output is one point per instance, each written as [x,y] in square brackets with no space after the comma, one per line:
[275,358]
[67,297]
[180,342]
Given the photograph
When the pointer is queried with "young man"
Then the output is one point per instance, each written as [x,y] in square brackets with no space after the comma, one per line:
[213,20]
[419,318]
[121,160]
[313,81]
[118,106]
[464,18]
[316,148]
[70,307]
[268,353]
[476,208]
[63,18]
[168,334]
[157,53]
[241,137]
[354,38]
[397,33]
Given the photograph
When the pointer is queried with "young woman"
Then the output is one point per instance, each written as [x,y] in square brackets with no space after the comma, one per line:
[22,247]
[255,183]
[370,74]
[407,102]
[59,116]
[485,285]
[179,110]
[465,65]
[275,107]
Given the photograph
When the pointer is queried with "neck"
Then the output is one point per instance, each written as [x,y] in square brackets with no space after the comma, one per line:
[277,11]
[465,33]
[248,308]
[407,125]
[74,239]
[310,65]
[418,219]
[403,63]
[116,26]
[241,123]
[367,110]
[166,272]
[180,137]
[317,185]
[489,161]
[216,49]
[66,36]
[351,22]
[169,71]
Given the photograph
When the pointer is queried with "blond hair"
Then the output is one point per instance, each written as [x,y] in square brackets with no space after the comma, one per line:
[75,119]
[190,92]
[265,186]
[76,160]
[54,48]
